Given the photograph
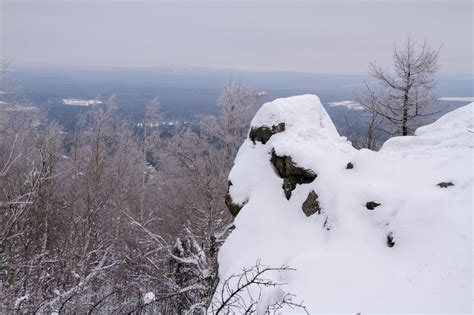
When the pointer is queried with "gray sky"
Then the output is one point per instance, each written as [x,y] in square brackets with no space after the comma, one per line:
[311,36]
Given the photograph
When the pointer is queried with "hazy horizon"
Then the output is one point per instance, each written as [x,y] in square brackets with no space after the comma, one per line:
[339,37]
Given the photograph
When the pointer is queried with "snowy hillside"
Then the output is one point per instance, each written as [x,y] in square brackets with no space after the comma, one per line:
[387,231]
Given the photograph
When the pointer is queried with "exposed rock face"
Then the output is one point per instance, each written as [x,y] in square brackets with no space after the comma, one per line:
[291,173]
[371,205]
[349,166]
[311,204]
[264,133]
[234,208]
[445,184]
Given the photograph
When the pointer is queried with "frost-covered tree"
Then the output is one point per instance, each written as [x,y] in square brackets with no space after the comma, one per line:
[60,203]
[196,162]
[108,218]
[238,104]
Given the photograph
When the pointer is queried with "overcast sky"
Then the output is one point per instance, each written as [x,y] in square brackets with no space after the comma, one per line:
[318,36]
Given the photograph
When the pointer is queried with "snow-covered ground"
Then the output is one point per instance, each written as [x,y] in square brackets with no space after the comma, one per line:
[80,102]
[410,254]
[347,104]
[457,98]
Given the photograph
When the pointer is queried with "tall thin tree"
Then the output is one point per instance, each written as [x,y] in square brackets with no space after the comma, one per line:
[406,94]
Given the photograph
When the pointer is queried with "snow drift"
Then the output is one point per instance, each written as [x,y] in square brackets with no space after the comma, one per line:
[387,231]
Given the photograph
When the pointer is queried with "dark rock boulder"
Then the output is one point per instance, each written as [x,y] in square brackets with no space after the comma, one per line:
[234,208]
[264,133]
[311,204]
[390,241]
[445,184]
[349,166]
[371,205]
[291,173]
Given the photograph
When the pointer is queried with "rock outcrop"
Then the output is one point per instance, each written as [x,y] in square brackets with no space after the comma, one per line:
[368,227]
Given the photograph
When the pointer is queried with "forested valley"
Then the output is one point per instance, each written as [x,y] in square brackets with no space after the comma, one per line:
[108,219]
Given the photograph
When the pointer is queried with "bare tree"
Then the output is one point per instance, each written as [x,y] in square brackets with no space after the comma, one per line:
[242,293]
[407,93]
[369,135]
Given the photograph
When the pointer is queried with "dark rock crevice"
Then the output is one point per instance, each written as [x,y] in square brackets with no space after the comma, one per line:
[445,184]
[390,241]
[291,173]
[371,205]
[263,134]
[326,224]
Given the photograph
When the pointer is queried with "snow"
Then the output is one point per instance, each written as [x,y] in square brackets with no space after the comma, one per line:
[347,104]
[148,298]
[457,98]
[15,108]
[341,256]
[80,102]
[20,300]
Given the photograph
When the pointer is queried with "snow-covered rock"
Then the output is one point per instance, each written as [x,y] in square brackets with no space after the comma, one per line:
[386,236]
